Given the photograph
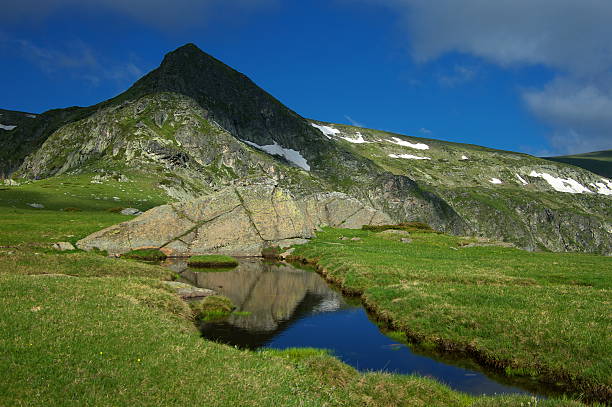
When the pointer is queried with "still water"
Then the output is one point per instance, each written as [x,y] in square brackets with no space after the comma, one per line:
[291,307]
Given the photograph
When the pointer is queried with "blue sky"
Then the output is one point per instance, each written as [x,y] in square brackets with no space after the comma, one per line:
[522,75]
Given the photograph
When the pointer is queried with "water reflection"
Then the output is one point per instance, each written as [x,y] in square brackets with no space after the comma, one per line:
[289,307]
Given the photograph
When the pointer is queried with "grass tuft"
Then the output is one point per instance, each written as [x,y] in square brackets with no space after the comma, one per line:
[212,261]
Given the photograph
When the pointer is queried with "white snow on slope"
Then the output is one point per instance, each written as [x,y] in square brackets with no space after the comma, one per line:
[328,131]
[358,140]
[290,155]
[522,180]
[560,184]
[464,157]
[495,181]
[400,142]
[408,157]
[603,188]
[6,127]
[31,116]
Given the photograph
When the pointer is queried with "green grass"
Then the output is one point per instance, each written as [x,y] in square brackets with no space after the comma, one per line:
[405,226]
[212,261]
[145,255]
[539,314]
[599,162]
[22,223]
[78,328]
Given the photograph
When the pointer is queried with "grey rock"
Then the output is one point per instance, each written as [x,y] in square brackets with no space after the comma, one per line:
[187,291]
[239,221]
[355,239]
[63,246]
[36,205]
[406,240]
[131,211]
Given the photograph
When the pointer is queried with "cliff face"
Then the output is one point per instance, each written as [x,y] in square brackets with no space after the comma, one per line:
[200,126]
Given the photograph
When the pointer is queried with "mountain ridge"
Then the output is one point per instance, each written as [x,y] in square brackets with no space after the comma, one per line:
[200,126]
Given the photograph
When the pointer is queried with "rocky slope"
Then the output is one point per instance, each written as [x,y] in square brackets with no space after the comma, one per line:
[200,126]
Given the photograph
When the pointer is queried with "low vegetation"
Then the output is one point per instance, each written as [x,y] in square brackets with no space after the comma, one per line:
[212,261]
[405,226]
[212,306]
[145,255]
[544,315]
[78,328]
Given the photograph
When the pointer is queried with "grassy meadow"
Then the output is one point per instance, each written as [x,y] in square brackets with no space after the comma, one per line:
[541,315]
[80,329]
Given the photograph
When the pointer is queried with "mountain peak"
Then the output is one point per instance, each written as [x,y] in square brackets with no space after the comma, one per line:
[230,98]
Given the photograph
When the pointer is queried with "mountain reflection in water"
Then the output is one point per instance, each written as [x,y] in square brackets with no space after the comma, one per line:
[289,307]
[274,294]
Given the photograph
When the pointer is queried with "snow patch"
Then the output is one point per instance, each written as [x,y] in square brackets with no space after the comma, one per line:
[358,140]
[400,142]
[31,116]
[327,131]
[522,180]
[408,157]
[7,127]
[290,155]
[603,188]
[560,184]
[495,181]
[464,157]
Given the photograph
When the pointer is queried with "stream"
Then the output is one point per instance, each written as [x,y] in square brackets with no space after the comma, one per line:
[290,307]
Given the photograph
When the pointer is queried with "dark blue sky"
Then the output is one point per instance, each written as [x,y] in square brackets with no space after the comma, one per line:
[513,77]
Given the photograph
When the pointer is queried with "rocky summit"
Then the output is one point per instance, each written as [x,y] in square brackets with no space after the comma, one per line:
[203,129]
[240,221]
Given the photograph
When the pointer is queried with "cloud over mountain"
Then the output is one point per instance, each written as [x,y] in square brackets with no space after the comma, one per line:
[572,37]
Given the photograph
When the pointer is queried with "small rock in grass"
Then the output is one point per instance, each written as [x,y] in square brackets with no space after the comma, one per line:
[131,211]
[355,239]
[343,238]
[187,291]
[36,205]
[406,240]
[63,246]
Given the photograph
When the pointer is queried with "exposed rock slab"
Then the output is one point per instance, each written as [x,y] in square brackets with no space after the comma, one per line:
[239,221]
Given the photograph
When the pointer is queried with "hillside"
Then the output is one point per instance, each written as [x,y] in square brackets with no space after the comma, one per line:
[599,162]
[197,126]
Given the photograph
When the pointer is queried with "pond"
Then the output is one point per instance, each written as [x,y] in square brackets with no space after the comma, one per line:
[290,307]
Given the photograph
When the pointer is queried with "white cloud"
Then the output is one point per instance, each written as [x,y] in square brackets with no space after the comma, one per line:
[159,13]
[79,59]
[424,130]
[580,114]
[457,76]
[353,122]
[572,37]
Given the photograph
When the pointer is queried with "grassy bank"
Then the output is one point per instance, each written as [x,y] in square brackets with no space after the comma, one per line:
[545,315]
[82,329]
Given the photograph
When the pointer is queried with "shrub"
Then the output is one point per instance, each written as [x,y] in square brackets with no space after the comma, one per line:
[406,226]
[212,306]
[71,209]
[272,252]
[145,254]
[116,209]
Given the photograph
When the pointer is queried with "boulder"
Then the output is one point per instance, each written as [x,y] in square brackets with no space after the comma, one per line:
[238,221]
[63,246]
[131,211]
[187,291]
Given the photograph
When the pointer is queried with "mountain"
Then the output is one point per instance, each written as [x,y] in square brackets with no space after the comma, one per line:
[599,162]
[200,126]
